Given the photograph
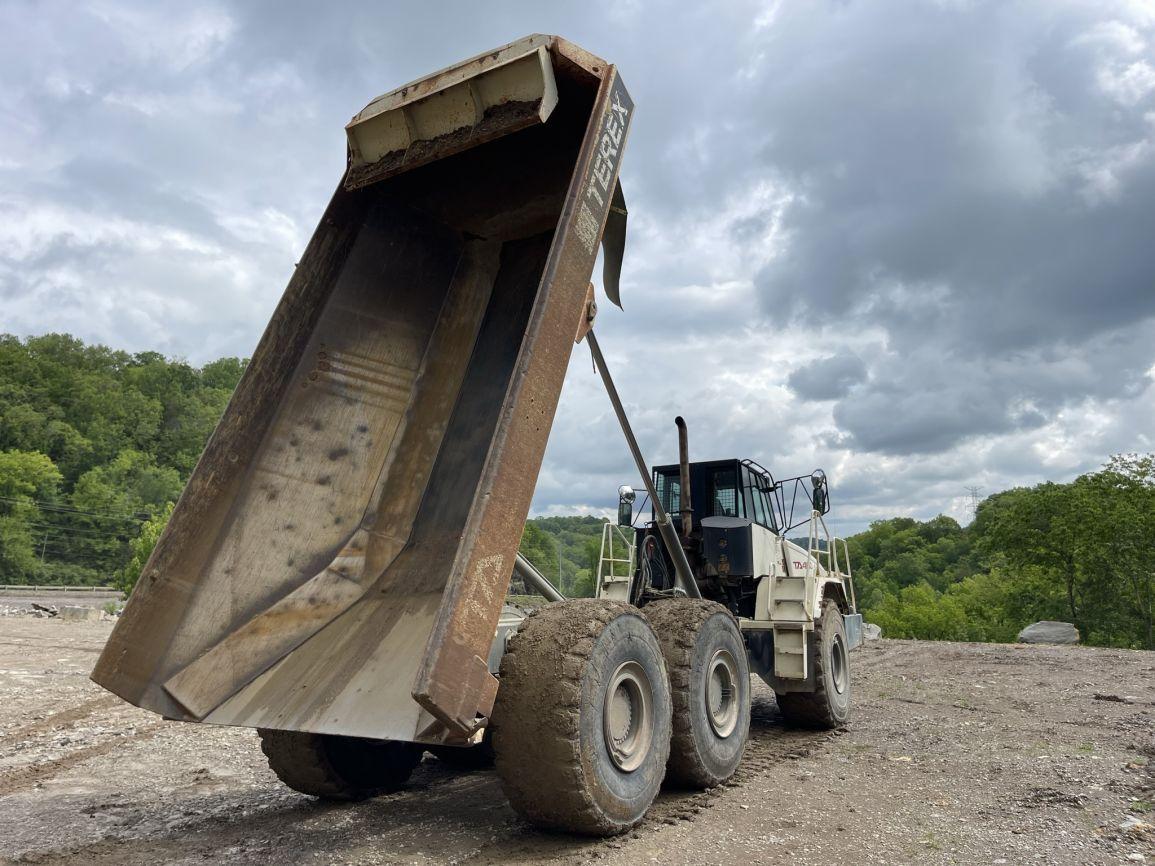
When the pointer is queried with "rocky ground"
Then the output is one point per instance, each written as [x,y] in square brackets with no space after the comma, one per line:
[40,602]
[957,753]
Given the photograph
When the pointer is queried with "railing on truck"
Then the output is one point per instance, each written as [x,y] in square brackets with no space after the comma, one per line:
[825,548]
[615,562]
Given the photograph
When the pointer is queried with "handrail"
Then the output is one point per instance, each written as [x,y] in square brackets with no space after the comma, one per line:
[834,563]
[606,555]
[849,575]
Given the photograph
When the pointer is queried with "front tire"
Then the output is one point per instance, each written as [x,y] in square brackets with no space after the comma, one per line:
[709,687]
[338,768]
[828,706]
[581,725]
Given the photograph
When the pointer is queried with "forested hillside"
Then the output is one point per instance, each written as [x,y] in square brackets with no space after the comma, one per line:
[1082,552]
[96,445]
[566,550]
[93,442]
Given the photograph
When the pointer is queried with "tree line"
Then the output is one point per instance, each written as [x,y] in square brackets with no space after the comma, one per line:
[1082,552]
[96,445]
[566,550]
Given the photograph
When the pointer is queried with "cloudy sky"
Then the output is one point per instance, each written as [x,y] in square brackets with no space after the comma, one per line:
[910,242]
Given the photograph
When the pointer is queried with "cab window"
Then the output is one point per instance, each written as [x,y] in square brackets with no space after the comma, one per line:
[755,500]
[760,513]
[723,493]
[669,488]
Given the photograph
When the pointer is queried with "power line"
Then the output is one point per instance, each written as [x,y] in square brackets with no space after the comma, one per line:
[67,509]
[78,530]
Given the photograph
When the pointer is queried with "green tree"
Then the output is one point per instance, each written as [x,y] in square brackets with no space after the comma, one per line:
[538,547]
[28,479]
[1035,527]
[1115,550]
[111,501]
[920,611]
[223,374]
[132,483]
[569,546]
[902,552]
[141,548]
[90,409]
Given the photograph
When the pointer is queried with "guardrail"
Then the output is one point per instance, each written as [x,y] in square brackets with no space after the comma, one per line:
[22,587]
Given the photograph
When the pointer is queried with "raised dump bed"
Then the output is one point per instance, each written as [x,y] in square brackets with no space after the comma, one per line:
[339,559]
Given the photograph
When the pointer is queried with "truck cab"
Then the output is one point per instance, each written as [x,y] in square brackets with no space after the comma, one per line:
[756,544]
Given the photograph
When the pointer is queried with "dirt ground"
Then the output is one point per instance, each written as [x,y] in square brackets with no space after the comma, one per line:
[957,753]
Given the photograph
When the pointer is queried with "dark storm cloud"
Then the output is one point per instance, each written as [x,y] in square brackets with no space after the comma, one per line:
[978,180]
[827,378]
[925,398]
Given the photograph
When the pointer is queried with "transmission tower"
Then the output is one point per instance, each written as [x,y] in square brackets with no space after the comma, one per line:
[973,500]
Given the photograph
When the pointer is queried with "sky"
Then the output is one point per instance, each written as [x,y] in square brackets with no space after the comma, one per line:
[912,243]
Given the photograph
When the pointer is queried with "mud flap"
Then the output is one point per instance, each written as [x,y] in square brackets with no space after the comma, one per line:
[852,622]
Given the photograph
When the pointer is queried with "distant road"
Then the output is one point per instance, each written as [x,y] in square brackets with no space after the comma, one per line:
[80,596]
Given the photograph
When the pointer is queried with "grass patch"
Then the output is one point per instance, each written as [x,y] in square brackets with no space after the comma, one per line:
[932,842]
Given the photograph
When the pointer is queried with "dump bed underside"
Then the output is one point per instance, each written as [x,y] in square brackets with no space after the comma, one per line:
[349,533]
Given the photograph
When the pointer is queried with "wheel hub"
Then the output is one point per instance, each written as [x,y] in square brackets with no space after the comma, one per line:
[722,693]
[628,716]
[839,665]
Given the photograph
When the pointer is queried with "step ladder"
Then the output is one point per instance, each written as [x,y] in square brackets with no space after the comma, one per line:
[792,624]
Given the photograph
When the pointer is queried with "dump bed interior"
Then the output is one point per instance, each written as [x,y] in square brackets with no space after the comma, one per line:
[338,561]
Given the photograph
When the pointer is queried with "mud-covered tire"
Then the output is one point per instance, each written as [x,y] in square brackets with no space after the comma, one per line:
[338,768]
[572,666]
[709,688]
[828,706]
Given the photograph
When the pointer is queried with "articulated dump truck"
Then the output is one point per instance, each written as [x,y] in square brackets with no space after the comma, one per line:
[336,570]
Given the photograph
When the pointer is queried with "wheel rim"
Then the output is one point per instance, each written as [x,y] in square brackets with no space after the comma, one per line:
[628,716]
[839,664]
[722,693]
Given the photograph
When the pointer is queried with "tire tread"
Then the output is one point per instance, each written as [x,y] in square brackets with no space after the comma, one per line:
[303,762]
[677,623]
[812,709]
[537,716]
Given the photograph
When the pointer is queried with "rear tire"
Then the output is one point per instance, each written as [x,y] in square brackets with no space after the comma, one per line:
[828,706]
[338,768]
[581,725]
[709,687]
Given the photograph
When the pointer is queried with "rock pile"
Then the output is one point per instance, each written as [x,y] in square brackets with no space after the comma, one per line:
[1049,631]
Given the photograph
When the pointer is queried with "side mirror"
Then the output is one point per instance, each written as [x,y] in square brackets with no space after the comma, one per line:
[819,498]
[626,497]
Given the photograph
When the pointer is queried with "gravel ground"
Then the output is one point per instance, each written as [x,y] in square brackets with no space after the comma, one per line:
[957,753]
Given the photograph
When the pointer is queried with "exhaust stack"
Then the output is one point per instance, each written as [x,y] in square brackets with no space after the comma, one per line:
[684,470]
